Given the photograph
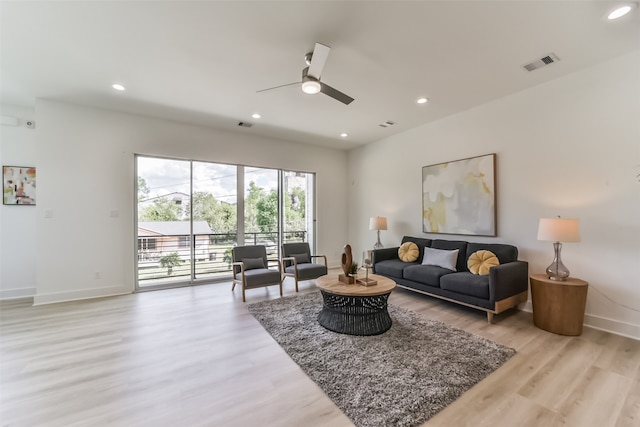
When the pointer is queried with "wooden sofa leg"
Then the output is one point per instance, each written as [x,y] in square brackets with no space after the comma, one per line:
[489,317]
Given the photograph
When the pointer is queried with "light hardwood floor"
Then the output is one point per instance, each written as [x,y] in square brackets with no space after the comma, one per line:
[195,357]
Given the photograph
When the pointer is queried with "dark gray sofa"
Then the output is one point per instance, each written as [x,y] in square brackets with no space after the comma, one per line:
[504,287]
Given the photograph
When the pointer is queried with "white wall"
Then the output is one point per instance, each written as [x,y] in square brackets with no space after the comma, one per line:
[86,170]
[570,147]
[17,223]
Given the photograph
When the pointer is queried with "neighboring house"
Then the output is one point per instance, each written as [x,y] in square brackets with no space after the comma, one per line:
[159,238]
[177,197]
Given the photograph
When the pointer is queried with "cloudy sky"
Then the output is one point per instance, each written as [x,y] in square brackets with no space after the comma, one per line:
[164,176]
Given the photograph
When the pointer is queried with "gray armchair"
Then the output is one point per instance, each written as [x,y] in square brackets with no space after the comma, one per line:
[298,262]
[250,269]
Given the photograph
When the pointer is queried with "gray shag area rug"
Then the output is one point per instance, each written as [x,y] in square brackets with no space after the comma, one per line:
[400,378]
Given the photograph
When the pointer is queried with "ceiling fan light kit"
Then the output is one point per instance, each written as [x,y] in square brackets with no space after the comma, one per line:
[309,84]
[311,87]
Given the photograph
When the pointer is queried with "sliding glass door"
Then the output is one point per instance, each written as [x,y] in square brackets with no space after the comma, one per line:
[298,225]
[215,189]
[190,215]
[164,230]
[261,211]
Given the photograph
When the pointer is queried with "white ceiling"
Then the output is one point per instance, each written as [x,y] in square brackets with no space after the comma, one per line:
[202,62]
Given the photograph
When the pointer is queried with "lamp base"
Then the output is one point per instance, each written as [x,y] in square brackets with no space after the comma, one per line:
[555,278]
[557,270]
[378,245]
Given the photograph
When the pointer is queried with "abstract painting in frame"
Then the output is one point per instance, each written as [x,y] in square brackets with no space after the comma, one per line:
[459,197]
[19,185]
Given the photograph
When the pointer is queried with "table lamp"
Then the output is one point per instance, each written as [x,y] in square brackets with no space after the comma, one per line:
[558,230]
[378,223]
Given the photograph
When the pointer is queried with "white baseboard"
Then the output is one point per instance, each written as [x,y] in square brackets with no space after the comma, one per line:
[40,299]
[617,327]
[8,294]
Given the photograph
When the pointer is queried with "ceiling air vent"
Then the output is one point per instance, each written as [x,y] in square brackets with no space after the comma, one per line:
[542,62]
[245,124]
[387,124]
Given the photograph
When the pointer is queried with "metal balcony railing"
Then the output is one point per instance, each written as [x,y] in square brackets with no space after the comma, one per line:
[168,257]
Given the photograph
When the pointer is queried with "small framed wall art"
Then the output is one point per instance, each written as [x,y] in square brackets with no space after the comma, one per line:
[459,197]
[19,185]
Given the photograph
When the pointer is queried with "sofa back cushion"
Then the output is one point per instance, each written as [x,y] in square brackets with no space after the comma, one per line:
[422,243]
[461,263]
[505,253]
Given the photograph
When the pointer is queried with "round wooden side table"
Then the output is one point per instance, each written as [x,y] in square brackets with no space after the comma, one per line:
[558,306]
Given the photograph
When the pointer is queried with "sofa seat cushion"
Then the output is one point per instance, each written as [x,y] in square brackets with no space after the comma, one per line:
[308,271]
[467,284]
[390,267]
[427,274]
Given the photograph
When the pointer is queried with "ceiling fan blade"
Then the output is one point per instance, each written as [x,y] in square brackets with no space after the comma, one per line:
[318,59]
[276,87]
[335,94]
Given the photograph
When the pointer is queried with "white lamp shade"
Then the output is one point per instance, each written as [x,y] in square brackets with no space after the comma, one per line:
[378,223]
[559,230]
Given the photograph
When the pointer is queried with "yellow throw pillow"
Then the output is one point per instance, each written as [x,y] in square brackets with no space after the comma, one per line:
[481,261]
[408,252]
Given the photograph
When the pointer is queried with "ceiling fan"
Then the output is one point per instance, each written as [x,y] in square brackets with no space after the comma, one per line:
[311,83]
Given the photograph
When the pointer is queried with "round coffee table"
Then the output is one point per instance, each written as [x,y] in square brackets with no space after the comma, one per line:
[355,309]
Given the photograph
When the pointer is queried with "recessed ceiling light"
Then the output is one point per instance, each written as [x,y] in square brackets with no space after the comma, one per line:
[620,11]
[344,135]
[117,86]
[256,115]
[422,100]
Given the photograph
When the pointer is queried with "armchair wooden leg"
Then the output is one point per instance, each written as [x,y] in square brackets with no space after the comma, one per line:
[489,317]
[243,298]
[234,286]
[296,283]
[281,288]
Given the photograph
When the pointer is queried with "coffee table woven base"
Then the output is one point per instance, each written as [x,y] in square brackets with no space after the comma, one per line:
[355,315]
